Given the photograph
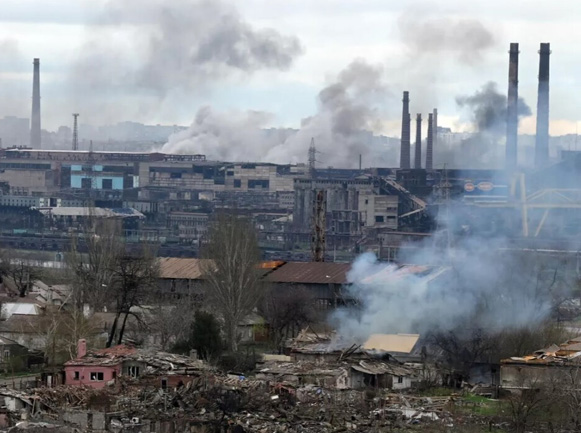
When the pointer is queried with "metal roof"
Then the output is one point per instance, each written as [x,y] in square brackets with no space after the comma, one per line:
[180,268]
[310,273]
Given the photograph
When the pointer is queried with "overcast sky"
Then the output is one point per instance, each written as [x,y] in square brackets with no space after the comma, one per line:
[89,50]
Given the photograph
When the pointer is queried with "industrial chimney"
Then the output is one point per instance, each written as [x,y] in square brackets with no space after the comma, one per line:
[512,109]
[404,158]
[418,154]
[430,143]
[542,143]
[434,132]
[35,119]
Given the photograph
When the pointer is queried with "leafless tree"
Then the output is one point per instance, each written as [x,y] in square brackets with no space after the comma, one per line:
[133,278]
[169,324]
[232,276]
[528,399]
[91,270]
[286,311]
[21,271]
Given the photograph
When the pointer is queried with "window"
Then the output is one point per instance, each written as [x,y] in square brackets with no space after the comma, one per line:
[237,183]
[399,379]
[86,183]
[77,375]
[107,183]
[97,376]
[6,355]
[133,371]
[379,219]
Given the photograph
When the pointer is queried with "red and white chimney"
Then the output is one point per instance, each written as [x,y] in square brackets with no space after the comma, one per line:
[81,348]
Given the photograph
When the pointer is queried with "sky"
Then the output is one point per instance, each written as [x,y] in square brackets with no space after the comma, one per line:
[133,60]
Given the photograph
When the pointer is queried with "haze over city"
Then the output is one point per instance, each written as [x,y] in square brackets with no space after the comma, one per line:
[292,217]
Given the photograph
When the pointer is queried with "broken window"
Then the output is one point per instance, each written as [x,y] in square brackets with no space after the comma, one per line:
[133,371]
[399,379]
[97,376]
[77,375]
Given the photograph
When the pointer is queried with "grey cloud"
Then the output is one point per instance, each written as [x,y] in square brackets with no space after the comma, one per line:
[156,48]
[468,39]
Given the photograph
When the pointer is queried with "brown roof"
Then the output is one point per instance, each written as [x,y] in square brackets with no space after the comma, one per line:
[310,272]
[180,268]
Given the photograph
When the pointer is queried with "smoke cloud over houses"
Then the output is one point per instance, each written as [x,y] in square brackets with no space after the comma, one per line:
[473,286]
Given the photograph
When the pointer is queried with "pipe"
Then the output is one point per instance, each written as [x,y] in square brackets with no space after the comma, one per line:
[512,109]
[35,137]
[430,143]
[542,139]
[404,158]
[418,154]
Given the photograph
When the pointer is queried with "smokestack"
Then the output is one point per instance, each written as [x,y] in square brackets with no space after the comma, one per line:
[542,143]
[434,131]
[430,144]
[512,109]
[404,158]
[35,118]
[418,155]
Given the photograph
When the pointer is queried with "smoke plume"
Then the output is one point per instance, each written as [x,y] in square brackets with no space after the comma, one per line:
[487,110]
[348,112]
[12,63]
[158,49]
[468,39]
[475,286]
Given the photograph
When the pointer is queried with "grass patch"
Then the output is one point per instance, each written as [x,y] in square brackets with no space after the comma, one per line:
[483,406]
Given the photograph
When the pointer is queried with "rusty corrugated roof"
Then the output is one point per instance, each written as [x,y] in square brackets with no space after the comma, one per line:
[180,268]
[310,272]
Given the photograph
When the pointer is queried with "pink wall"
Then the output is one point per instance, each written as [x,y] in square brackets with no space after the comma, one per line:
[109,373]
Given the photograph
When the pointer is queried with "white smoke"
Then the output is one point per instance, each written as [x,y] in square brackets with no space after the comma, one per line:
[349,111]
[475,285]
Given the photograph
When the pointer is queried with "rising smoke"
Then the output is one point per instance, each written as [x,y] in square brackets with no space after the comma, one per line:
[349,109]
[487,109]
[474,286]
[157,49]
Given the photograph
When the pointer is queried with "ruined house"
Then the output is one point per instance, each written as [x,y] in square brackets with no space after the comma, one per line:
[556,364]
[97,369]
[340,374]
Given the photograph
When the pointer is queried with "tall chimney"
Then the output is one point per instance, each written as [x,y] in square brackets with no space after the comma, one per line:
[404,158]
[430,144]
[434,131]
[542,143]
[35,119]
[418,155]
[512,109]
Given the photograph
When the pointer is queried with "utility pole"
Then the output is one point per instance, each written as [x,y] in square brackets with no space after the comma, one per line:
[318,241]
[75,132]
[312,159]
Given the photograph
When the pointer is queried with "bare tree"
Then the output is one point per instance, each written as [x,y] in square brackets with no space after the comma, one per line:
[231,272]
[287,310]
[133,278]
[91,270]
[169,324]
[21,271]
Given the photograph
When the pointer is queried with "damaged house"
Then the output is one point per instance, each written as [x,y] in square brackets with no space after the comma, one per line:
[552,365]
[100,368]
